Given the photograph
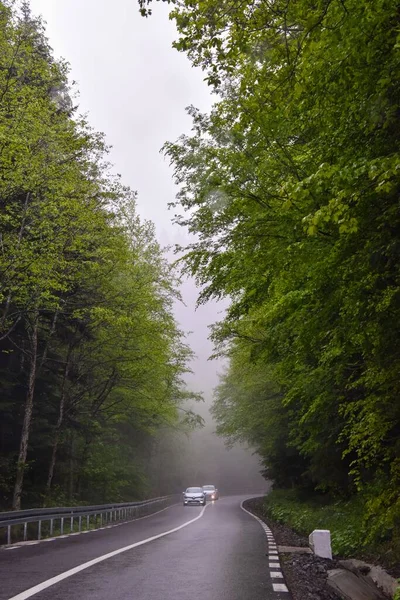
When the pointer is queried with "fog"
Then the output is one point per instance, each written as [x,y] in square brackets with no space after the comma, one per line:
[135,88]
[233,470]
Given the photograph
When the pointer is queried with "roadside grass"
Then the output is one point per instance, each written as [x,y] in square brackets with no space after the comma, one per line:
[344,518]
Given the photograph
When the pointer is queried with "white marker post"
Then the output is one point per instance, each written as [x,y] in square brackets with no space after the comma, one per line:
[320,543]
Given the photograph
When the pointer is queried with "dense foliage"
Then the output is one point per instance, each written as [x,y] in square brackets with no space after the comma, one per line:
[91,359]
[349,536]
[291,185]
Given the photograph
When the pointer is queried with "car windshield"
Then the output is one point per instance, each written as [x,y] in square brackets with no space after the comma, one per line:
[192,490]
[209,487]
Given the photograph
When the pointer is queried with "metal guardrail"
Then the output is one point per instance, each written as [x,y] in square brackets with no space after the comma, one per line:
[79,517]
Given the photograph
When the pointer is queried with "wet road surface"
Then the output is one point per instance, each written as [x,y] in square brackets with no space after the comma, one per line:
[222,553]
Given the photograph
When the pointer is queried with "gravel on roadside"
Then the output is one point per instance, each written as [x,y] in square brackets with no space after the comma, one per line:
[305,574]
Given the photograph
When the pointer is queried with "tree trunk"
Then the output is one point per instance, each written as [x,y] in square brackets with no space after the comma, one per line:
[71,479]
[57,432]
[51,333]
[20,235]
[82,464]
[23,447]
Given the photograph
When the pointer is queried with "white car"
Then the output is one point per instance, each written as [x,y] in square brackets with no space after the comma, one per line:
[193,496]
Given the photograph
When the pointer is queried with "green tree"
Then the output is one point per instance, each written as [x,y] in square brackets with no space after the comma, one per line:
[91,355]
[291,185]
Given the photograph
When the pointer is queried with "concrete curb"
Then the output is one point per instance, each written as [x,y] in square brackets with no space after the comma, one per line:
[350,586]
[373,574]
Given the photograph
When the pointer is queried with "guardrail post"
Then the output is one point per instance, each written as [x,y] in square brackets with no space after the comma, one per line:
[109,514]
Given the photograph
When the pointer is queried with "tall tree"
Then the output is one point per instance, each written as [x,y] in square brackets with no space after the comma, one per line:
[90,352]
[291,185]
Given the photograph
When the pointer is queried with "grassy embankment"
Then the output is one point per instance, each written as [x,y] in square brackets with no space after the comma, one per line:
[350,529]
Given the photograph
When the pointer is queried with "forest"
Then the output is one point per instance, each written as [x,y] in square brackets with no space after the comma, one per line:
[92,361]
[290,186]
[290,189]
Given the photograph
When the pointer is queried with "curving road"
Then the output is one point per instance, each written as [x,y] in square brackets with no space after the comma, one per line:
[219,552]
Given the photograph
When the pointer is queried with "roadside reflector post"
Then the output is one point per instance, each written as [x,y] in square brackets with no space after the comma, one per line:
[320,543]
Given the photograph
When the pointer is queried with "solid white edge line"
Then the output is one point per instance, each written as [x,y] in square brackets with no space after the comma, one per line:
[49,582]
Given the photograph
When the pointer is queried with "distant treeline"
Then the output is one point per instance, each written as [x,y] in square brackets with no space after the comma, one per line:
[91,358]
[292,185]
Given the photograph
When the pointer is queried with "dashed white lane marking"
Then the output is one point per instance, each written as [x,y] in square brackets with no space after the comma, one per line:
[50,582]
[272,555]
[279,587]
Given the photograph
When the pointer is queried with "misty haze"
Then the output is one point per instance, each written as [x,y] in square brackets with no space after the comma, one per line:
[181,180]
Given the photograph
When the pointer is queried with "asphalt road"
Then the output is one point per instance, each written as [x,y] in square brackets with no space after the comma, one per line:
[221,554]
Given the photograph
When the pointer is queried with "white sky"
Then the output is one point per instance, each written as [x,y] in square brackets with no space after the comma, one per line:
[135,88]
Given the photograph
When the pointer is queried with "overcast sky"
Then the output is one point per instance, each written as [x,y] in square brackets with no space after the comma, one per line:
[135,88]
